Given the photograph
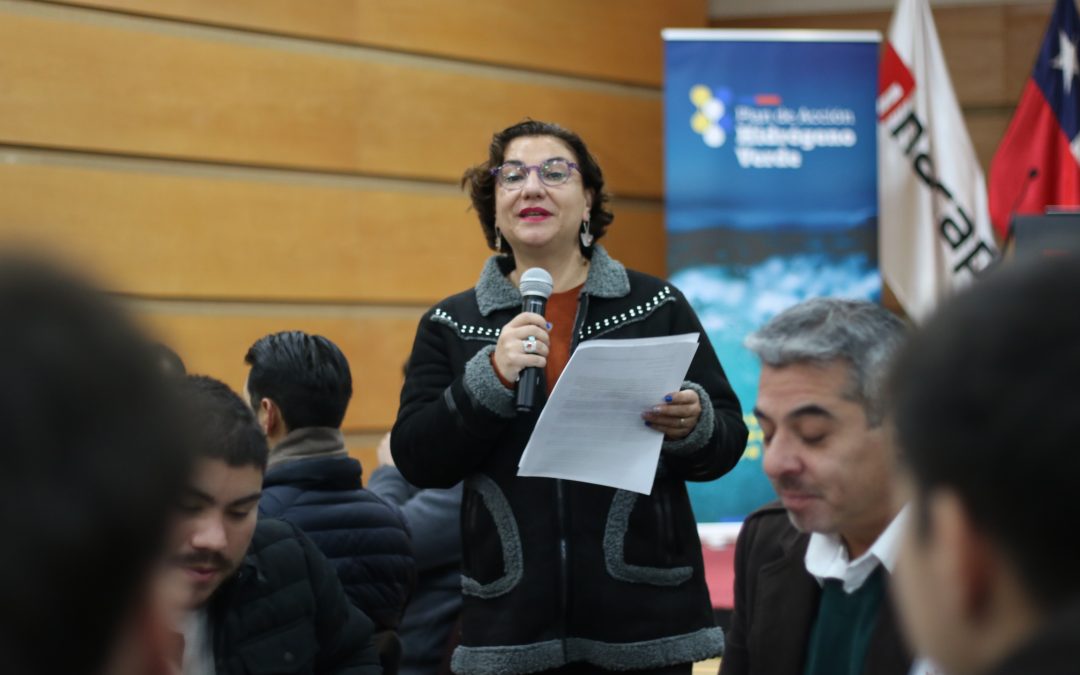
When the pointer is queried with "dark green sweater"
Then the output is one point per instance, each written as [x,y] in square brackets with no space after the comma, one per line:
[843,626]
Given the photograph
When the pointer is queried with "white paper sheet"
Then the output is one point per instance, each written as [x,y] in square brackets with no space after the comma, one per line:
[591,429]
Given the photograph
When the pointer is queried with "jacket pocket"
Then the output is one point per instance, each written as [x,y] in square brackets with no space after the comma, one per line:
[487,514]
[291,651]
[660,537]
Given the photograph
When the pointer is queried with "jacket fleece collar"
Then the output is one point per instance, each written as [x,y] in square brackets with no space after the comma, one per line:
[607,279]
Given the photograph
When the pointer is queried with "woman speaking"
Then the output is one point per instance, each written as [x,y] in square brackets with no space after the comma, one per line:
[561,576]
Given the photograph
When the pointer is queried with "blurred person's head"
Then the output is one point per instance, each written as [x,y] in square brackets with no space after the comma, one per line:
[529,167]
[92,464]
[169,361]
[297,380]
[219,505]
[827,450]
[987,415]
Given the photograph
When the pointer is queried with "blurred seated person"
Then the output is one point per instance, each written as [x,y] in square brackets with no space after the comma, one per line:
[562,576]
[169,361]
[434,517]
[987,418]
[91,467]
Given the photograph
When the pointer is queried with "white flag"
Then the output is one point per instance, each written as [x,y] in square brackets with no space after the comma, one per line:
[935,235]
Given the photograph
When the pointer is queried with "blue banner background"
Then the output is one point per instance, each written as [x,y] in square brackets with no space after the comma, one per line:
[745,242]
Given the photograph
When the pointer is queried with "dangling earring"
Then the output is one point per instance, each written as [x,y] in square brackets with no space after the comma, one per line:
[586,236]
[498,241]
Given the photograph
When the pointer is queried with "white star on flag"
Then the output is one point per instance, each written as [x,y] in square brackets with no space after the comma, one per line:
[1066,61]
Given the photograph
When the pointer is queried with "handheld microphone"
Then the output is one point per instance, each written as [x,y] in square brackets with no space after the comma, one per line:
[535,286]
[1010,231]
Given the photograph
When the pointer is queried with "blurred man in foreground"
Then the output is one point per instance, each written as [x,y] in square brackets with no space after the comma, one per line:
[987,401]
[811,572]
[262,599]
[91,464]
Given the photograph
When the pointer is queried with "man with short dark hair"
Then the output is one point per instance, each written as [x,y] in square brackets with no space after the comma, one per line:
[91,465]
[299,386]
[812,571]
[987,408]
[262,597]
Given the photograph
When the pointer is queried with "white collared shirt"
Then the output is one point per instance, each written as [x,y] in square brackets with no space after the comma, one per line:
[827,557]
[925,667]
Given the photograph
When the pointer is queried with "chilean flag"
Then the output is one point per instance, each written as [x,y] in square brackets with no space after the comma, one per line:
[1037,163]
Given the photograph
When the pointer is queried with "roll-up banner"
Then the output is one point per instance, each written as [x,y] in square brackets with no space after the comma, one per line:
[771,188]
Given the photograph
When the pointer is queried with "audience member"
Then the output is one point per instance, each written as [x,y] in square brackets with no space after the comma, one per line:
[299,386]
[91,468]
[811,572]
[434,517]
[262,598]
[987,414]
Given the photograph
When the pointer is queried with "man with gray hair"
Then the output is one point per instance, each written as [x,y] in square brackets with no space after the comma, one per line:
[812,570]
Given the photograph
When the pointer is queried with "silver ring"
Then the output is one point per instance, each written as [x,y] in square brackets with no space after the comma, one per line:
[682,421]
[529,344]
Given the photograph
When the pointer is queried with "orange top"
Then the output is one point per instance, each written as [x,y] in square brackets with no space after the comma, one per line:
[560,312]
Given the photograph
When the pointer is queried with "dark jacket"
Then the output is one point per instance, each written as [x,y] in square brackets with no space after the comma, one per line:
[434,517]
[365,537]
[560,571]
[283,612]
[776,601]
[1054,650]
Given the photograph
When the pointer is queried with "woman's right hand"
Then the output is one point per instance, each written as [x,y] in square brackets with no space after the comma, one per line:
[512,353]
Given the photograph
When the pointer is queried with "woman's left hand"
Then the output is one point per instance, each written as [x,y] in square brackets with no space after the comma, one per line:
[676,416]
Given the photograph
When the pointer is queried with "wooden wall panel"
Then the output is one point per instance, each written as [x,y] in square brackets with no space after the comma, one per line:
[974,46]
[212,340]
[878,21]
[118,86]
[365,453]
[159,234]
[617,40]
[1025,28]
[989,49]
[986,127]
[637,238]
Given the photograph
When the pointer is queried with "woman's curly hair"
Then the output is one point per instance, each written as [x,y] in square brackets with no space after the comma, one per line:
[481,183]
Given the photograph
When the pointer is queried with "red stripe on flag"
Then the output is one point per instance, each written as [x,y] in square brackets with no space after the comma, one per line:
[1034,140]
[895,82]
